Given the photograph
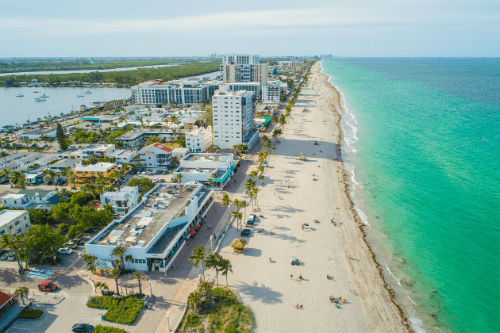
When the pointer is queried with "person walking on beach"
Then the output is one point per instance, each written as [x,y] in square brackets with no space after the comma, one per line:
[291,276]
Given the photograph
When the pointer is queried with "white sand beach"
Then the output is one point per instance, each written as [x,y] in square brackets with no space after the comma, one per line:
[289,197]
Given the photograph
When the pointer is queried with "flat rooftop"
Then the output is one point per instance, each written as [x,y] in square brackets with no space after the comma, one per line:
[8,215]
[196,170]
[206,157]
[162,206]
[41,131]
[134,134]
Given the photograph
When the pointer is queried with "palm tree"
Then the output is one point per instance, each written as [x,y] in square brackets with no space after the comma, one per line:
[129,258]
[6,173]
[261,177]
[261,168]
[238,216]
[214,176]
[212,261]
[138,277]
[115,274]
[253,193]
[179,178]
[13,243]
[250,184]
[18,178]
[4,154]
[253,174]
[49,175]
[226,267]
[23,292]
[27,142]
[199,256]
[119,251]
[90,261]
[225,200]
[243,204]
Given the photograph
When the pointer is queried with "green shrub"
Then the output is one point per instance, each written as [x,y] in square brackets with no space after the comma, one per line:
[192,319]
[126,311]
[30,314]
[108,329]
[102,302]
[122,310]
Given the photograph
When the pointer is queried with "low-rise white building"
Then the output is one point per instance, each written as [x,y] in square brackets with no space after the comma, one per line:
[180,153]
[38,133]
[122,201]
[156,230]
[156,156]
[88,151]
[199,139]
[14,221]
[39,199]
[202,167]
[122,156]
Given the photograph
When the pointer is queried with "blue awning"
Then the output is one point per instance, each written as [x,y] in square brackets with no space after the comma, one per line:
[226,175]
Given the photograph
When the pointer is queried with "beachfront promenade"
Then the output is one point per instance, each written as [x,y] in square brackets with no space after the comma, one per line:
[295,192]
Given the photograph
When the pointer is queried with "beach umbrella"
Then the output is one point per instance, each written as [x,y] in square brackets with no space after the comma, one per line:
[192,232]
[305,224]
[197,226]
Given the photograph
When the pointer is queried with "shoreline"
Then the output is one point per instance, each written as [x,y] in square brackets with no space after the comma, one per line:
[337,96]
[297,201]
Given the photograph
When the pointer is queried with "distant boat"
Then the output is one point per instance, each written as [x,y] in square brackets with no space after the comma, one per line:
[38,99]
[80,95]
[19,95]
[88,92]
[35,92]
[44,96]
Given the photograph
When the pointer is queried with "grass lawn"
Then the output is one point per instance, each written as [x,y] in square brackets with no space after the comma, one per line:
[216,310]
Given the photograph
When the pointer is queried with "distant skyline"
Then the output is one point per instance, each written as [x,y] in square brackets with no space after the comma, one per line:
[389,28]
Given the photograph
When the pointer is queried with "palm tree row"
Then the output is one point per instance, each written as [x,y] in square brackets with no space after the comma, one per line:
[213,261]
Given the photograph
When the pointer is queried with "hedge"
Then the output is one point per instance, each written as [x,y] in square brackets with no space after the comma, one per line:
[30,314]
[122,310]
[108,329]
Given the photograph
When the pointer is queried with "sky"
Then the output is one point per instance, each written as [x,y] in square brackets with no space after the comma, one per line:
[166,28]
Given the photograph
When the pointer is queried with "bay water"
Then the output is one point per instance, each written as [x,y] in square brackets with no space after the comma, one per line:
[61,100]
[422,150]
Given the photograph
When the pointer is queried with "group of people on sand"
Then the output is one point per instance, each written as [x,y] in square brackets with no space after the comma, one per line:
[338,301]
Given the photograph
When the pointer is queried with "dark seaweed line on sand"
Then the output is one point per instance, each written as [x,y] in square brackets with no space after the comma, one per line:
[361,226]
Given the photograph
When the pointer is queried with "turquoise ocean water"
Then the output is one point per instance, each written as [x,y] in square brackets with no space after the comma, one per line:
[422,147]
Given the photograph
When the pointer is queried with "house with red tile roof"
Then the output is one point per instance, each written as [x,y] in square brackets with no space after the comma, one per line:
[156,156]
[5,302]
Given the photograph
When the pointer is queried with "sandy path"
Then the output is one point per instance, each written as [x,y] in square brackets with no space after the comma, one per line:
[290,197]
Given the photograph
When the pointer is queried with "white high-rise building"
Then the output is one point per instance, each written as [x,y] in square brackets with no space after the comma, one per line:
[232,118]
[271,92]
[243,68]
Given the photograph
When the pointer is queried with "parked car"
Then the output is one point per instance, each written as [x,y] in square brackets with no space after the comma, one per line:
[82,328]
[47,286]
[72,244]
[65,250]
[245,232]
[252,217]
[6,255]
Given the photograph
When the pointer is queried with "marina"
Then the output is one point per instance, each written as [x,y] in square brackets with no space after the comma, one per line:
[14,110]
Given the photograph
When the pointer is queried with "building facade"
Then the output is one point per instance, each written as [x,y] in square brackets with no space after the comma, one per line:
[156,230]
[156,156]
[94,171]
[122,201]
[172,92]
[199,139]
[243,68]
[271,92]
[203,167]
[14,221]
[232,118]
